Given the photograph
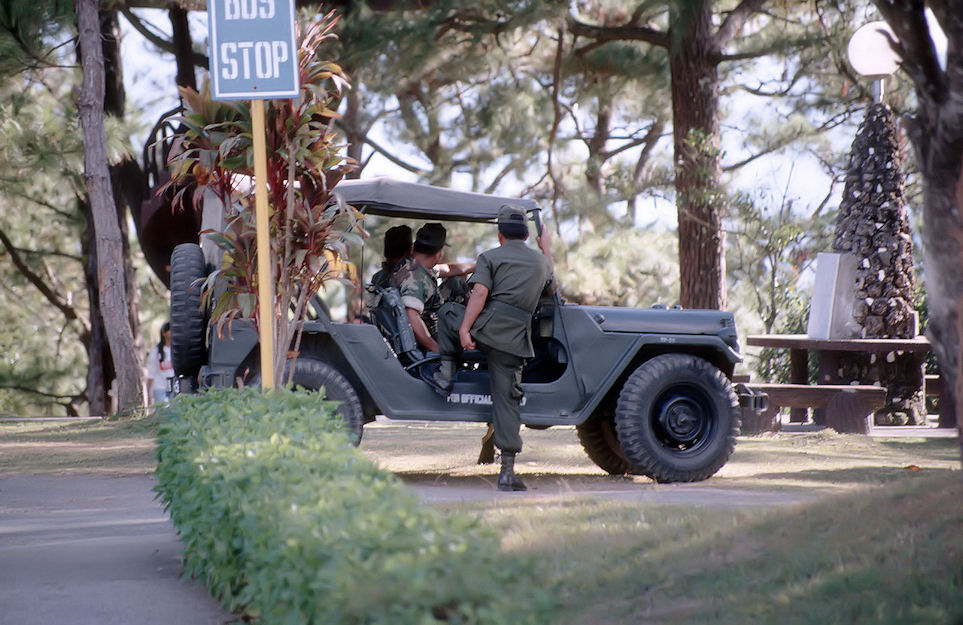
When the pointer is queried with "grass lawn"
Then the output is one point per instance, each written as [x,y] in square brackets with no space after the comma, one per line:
[880,541]
[121,447]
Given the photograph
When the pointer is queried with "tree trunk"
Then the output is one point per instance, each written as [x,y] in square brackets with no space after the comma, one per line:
[109,244]
[942,251]
[695,100]
[353,129]
[596,146]
[937,136]
[100,371]
[183,46]
[128,183]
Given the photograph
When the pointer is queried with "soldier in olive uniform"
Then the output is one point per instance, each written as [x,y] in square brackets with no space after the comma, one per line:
[506,286]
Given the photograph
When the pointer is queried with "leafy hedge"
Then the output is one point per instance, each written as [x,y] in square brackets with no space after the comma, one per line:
[281,517]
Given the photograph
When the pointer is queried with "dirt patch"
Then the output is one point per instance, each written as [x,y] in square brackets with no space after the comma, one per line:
[438,460]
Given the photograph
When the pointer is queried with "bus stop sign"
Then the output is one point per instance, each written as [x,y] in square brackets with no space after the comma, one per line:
[253,49]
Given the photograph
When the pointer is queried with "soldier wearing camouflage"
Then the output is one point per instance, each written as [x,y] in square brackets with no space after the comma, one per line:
[418,286]
[417,282]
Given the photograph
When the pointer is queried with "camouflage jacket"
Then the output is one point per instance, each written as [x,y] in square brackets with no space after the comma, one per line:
[419,290]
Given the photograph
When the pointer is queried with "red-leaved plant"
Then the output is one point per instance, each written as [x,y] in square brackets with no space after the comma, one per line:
[308,229]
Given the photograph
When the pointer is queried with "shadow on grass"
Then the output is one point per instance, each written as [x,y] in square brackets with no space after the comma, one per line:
[855,476]
[877,556]
[487,478]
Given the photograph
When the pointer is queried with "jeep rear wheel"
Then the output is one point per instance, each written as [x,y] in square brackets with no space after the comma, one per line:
[677,418]
[188,324]
[314,374]
[601,444]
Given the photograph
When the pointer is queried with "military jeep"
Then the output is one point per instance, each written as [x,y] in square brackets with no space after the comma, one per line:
[649,391]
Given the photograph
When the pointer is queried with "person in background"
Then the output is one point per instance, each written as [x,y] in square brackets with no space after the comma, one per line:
[159,367]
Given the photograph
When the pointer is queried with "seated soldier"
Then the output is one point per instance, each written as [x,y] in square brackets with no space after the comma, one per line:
[417,282]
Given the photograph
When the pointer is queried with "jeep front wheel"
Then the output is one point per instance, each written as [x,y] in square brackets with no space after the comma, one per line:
[677,418]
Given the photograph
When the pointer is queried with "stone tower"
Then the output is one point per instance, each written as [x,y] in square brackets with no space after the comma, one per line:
[873,225]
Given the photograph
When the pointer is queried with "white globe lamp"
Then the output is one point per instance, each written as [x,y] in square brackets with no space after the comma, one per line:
[871,54]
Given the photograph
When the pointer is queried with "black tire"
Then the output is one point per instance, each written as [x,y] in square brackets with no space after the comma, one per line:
[677,418]
[601,444]
[188,321]
[314,374]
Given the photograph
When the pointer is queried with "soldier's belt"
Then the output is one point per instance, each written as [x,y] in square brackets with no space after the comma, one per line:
[503,308]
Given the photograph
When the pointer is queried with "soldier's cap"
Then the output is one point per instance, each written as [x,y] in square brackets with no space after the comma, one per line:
[512,222]
[510,214]
[397,242]
[430,238]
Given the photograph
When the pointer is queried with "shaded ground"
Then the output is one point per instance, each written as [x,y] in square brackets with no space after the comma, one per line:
[438,460]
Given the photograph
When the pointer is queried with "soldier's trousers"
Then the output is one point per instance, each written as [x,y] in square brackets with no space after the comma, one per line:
[504,371]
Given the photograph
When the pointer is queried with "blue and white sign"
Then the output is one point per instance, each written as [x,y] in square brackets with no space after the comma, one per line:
[253,49]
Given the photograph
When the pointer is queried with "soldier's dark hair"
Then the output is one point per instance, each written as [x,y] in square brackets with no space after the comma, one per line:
[397,243]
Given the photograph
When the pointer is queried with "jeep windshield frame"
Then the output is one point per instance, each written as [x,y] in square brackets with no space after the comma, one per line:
[394,198]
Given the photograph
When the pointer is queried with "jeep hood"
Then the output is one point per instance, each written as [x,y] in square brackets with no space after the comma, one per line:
[665,321]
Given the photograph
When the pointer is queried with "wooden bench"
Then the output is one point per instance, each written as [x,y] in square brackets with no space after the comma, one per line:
[849,408]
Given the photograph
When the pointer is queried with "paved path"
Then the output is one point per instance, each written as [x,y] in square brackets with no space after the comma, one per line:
[93,550]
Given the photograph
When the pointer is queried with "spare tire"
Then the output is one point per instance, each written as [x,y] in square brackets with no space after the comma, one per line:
[188,321]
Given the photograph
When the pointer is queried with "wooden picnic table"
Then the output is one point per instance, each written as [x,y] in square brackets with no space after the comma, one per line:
[829,352]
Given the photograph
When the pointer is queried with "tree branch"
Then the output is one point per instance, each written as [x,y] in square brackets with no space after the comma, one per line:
[165,45]
[394,159]
[755,54]
[68,311]
[915,46]
[501,175]
[651,139]
[735,21]
[617,33]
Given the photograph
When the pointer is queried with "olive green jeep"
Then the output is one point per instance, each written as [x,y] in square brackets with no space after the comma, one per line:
[649,391]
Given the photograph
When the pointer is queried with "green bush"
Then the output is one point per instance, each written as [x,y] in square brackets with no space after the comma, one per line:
[282,518]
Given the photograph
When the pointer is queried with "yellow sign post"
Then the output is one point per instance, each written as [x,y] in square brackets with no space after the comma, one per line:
[265,283]
[254,54]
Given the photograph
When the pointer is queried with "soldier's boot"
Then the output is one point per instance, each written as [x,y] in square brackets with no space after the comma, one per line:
[444,378]
[507,480]
[487,453]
